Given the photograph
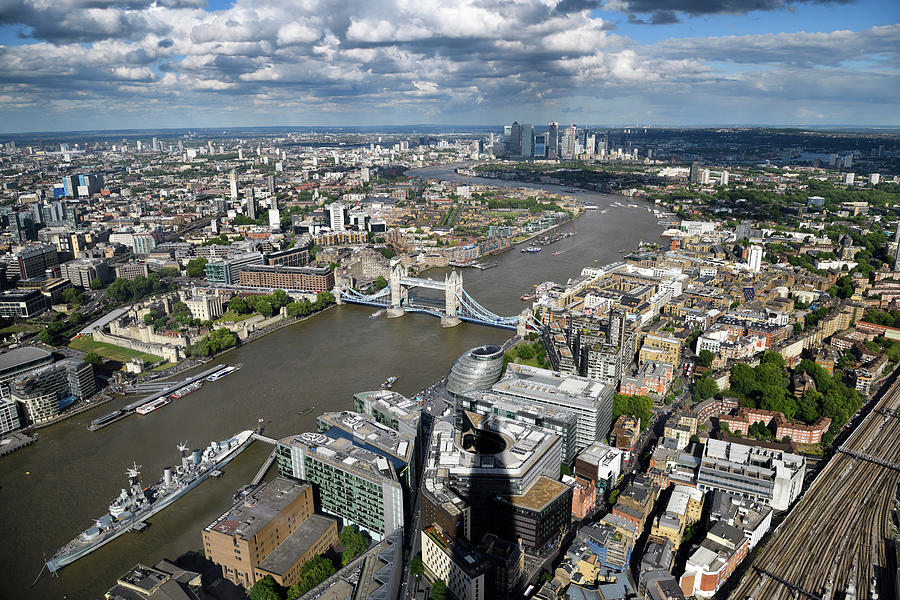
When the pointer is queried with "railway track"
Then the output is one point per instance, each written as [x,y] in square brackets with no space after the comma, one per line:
[842,523]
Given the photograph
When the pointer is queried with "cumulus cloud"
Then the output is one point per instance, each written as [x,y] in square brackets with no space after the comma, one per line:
[429,57]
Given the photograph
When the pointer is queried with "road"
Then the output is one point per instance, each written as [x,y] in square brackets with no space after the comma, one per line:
[411,582]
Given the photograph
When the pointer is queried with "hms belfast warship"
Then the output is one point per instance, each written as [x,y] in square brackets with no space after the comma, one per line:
[136,504]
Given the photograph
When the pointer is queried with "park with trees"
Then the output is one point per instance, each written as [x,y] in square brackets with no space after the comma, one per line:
[766,386]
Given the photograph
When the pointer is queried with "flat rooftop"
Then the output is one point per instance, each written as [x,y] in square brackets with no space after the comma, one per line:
[257,510]
[365,430]
[285,556]
[553,386]
[539,495]
[348,453]
[21,356]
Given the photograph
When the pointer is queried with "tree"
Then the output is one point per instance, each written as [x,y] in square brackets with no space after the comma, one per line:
[636,406]
[415,565]
[439,590]
[45,336]
[265,589]
[213,343]
[279,298]
[76,318]
[387,252]
[742,378]
[196,267]
[264,308]
[706,388]
[381,283]
[72,297]
[238,305]
[93,358]
[706,357]
[312,573]
[354,544]
[96,284]
[808,405]
[772,358]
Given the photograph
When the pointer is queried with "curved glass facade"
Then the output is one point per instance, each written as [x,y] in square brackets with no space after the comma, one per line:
[477,369]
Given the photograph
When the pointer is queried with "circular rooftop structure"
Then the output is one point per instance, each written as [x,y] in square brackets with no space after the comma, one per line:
[477,369]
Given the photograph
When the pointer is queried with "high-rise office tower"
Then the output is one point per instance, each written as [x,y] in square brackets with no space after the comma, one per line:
[540,145]
[569,139]
[515,139]
[155,145]
[590,144]
[553,141]
[233,182]
[527,133]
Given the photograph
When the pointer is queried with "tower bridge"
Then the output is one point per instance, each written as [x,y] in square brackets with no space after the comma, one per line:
[397,298]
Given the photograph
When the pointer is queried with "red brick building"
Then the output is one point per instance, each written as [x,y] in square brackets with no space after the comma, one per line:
[308,279]
[743,418]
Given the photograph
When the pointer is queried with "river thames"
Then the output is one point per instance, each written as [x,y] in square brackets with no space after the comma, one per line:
[53,489]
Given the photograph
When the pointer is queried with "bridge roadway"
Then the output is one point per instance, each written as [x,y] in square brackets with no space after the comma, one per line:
[457,304]
[844,518]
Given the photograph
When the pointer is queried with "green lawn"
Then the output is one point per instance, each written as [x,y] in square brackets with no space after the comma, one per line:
[233,317]
[531,362]
[86,343]
[162,366]
[18,329]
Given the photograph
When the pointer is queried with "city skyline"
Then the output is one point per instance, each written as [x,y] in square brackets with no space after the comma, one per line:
[185,63]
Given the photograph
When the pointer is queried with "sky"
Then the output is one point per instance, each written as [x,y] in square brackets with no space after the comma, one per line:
[129,64]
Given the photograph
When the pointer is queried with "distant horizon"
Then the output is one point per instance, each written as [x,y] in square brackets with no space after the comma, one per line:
[820,128]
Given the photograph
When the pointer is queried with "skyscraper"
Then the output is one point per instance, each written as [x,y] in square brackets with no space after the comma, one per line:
[695,172]
[527,143]
[569,137]
[337,216]
[251,204]
[232,180]
[553,141]
[540,145]
[515,139]
[755,260]
[897,250]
